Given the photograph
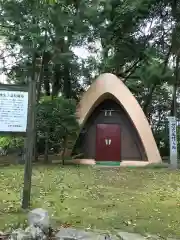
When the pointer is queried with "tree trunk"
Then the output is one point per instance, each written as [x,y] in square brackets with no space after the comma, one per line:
[46,150]
[153,87]
[57,81]
[40,77]
[174,95]
[174,6]
[148,99]
[45,58]
[67,82]
[47,78]
[64,150]
[39,86]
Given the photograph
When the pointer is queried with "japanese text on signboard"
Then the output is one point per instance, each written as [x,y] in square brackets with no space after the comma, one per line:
[173,135]
[13,111]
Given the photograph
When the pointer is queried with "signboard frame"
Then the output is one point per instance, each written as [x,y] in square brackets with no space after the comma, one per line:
[21,88]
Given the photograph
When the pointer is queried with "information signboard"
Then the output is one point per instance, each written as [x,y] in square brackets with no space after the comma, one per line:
[173,141]
[13,109]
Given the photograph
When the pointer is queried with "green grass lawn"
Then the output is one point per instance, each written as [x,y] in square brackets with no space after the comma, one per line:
[140,200]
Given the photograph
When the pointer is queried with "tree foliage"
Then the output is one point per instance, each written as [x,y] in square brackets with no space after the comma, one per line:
[11,144]
[136,40]
[57,127]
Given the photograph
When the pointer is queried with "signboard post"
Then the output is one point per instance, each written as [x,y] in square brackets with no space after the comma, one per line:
[29,145]
[173,141]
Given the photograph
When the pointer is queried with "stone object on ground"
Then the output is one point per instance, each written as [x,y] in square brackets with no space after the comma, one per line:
[38,228]
[154,237]
[130,236]
[19,234]
[39,217]
[36,233]
[136,236]
[75,234]
[30,233]
[4,236]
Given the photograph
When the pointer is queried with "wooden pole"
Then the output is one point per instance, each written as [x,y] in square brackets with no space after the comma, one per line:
[29,151]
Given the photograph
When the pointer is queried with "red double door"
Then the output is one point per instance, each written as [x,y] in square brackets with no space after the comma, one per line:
[108,142]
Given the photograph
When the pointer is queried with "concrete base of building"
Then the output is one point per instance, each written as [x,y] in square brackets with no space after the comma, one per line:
[123,163]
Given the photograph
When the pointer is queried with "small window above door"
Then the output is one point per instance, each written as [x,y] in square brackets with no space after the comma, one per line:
[107,113]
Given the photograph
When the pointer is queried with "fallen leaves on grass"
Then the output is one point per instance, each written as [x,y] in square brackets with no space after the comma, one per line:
[143,200]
